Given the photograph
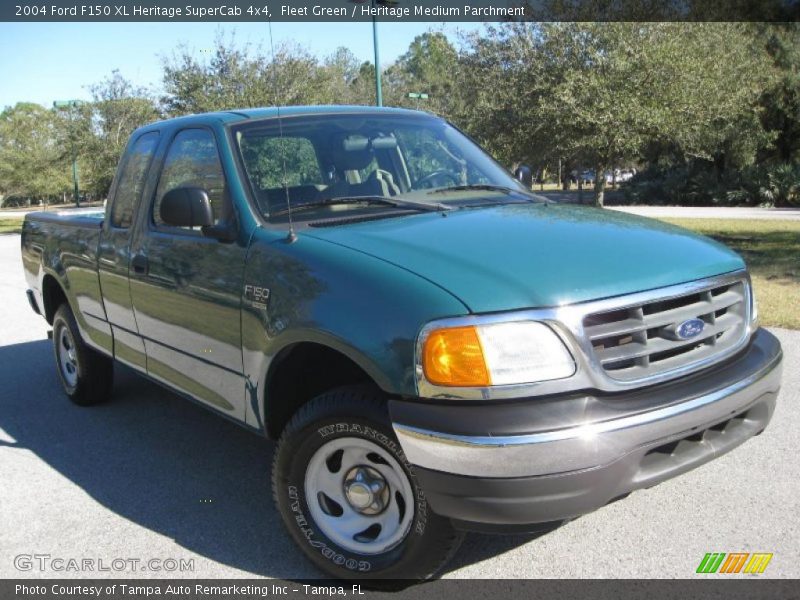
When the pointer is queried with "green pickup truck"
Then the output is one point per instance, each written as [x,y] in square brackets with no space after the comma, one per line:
[435,348]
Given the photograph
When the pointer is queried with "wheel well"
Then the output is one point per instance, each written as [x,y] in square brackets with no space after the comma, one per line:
[300,373]
[53,296]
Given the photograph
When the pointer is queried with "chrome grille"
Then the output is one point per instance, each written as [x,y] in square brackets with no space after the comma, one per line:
[641,340]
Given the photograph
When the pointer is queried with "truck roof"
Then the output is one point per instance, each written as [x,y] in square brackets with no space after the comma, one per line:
[231,116]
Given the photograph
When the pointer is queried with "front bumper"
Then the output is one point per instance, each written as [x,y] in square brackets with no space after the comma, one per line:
[508,465]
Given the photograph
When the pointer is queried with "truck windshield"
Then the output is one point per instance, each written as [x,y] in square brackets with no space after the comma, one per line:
[324,165]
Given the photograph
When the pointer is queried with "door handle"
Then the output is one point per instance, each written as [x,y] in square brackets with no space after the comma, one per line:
[139,264]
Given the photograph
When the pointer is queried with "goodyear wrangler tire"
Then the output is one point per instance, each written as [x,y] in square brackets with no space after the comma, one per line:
[349,497]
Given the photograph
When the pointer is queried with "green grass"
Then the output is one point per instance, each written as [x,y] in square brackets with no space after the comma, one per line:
[8,225]
[548,187]
[771,250]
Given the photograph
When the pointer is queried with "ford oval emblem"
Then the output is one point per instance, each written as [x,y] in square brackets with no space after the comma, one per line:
[689,329]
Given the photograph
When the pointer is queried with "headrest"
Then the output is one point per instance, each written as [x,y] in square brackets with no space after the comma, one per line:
[353,153]
[355,143]
[384,143]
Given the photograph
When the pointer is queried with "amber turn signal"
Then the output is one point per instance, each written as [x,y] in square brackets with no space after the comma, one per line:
[454,357]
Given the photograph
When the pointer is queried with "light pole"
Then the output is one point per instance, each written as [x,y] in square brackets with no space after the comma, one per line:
[67,105]
[378,86]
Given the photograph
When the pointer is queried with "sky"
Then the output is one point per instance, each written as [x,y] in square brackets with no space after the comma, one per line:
[43,62]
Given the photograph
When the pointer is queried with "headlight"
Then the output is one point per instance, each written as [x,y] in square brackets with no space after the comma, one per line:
[494,354]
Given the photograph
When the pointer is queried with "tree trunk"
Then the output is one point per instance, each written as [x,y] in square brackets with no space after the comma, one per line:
[599,186]
[719,165]
[560,181]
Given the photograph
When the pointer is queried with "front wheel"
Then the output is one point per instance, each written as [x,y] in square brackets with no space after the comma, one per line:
[350,498]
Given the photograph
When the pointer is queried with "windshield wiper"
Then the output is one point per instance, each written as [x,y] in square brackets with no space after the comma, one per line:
[476,186]
[379,200]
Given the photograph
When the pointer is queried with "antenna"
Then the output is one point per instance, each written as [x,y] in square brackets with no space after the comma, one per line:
[291,237]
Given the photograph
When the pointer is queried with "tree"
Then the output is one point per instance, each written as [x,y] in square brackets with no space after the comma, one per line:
[598,93]
[718,102]
[499,70]
[32,164]
[117,109]
[244,77]
[341,72]
[429,66]
[364,84]
[781,101]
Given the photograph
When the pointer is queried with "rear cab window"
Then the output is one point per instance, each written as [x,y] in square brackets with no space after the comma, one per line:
[132,179]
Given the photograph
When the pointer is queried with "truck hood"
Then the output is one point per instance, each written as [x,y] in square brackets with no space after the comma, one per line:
[536,255]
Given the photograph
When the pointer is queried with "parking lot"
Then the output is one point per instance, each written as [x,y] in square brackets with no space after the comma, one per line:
[151,476]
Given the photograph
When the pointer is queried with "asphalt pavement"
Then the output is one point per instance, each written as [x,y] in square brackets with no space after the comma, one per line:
[152,476]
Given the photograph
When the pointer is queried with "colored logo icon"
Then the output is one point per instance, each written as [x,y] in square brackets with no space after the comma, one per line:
[734,562]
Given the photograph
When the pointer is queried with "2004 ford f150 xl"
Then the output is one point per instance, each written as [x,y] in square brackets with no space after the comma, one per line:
[435,348]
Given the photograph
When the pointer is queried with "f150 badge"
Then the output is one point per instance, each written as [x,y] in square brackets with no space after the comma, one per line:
[257,296]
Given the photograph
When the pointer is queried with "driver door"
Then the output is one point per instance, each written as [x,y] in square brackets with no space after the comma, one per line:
[186,288]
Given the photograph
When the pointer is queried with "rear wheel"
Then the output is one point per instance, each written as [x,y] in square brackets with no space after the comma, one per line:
[86,375]
[350,498]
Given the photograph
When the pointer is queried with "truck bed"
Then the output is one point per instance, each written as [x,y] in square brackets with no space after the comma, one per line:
[63,245]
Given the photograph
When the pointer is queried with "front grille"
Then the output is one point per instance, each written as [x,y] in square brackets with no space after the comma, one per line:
[640,341]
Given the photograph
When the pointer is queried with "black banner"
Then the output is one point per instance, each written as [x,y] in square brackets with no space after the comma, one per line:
[461,589]
[397,10]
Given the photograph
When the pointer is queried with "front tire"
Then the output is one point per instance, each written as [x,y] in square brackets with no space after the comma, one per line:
[348,495]
[86,375]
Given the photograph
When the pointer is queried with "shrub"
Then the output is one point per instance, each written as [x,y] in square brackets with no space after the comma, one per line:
[783,184]
[700,185]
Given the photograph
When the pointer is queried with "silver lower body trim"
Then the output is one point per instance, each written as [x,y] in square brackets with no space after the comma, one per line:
[584,447]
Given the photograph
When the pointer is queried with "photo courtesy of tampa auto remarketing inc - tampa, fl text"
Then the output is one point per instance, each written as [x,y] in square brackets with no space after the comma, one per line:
[411,299]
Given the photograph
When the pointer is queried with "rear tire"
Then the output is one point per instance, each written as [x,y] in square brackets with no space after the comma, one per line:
[349,496]
[86,375]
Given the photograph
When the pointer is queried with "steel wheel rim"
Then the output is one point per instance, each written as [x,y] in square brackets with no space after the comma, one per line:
[337,479]
[67,357]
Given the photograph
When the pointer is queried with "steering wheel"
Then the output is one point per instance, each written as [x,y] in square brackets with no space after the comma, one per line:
[429,180]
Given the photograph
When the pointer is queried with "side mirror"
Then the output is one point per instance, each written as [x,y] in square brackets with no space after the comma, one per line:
[187,207]
[524,174]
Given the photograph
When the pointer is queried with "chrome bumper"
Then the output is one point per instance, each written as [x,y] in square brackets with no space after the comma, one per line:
[589,445]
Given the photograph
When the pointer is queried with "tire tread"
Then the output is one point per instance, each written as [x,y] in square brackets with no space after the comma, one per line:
[366,401]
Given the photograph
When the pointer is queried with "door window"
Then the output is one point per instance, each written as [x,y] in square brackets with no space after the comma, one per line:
[193,161]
